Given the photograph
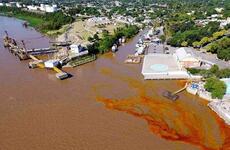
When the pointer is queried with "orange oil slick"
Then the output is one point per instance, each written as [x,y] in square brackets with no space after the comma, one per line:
[171,121]
[157,124]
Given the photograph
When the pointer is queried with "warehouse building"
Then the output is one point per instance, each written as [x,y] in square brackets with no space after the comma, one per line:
[163,66]
[186,59]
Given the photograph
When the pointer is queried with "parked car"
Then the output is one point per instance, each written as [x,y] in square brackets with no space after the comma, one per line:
[166,50]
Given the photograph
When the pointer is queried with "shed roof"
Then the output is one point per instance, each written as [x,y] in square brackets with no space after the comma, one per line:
[181,53]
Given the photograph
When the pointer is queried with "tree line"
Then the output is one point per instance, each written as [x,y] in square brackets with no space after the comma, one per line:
[221,48]
[44,22]
[104,44]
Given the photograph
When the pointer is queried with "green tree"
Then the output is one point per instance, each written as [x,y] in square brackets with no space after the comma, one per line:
[163,38]
[184,44]
[214,69]
[219,34]
[221,48]
[216,87]
[96,37]
[204,41]
[196,44]
[90,39]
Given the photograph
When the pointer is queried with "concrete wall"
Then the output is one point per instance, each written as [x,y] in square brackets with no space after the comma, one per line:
[167,75]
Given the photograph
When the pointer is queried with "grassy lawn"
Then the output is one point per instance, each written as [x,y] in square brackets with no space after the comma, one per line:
[58,32]
[34,22]
[50,22]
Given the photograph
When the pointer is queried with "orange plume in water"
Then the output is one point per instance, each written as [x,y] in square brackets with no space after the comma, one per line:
[158,125]
[187,120]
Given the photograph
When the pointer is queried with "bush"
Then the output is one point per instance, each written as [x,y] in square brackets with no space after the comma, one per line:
[216,87]
[224,54]
[194,71]
[214,71]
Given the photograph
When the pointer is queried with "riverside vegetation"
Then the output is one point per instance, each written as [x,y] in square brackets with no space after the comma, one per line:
[104,44]
[213,84]
[54,21]
[43,22]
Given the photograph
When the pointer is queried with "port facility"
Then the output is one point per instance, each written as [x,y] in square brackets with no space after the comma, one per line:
[163,66]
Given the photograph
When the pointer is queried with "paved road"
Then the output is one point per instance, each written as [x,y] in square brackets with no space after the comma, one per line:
[159,48]
[211,57]
[154,48]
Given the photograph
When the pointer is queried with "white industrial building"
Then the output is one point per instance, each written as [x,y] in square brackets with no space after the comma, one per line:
[78,50]
[186,60]
[48,8]
[43,7]
[163,66]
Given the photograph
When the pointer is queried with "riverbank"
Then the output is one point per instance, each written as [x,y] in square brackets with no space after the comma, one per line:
[43,22]
[80,32]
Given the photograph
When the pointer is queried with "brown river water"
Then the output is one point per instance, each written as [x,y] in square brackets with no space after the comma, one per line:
[106,105]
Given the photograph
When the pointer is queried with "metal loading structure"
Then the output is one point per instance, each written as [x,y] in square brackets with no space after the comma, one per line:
[23,54]
[174,95]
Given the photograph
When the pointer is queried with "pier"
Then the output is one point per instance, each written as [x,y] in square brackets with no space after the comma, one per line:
[42,51]
[82,60]
[23,54]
